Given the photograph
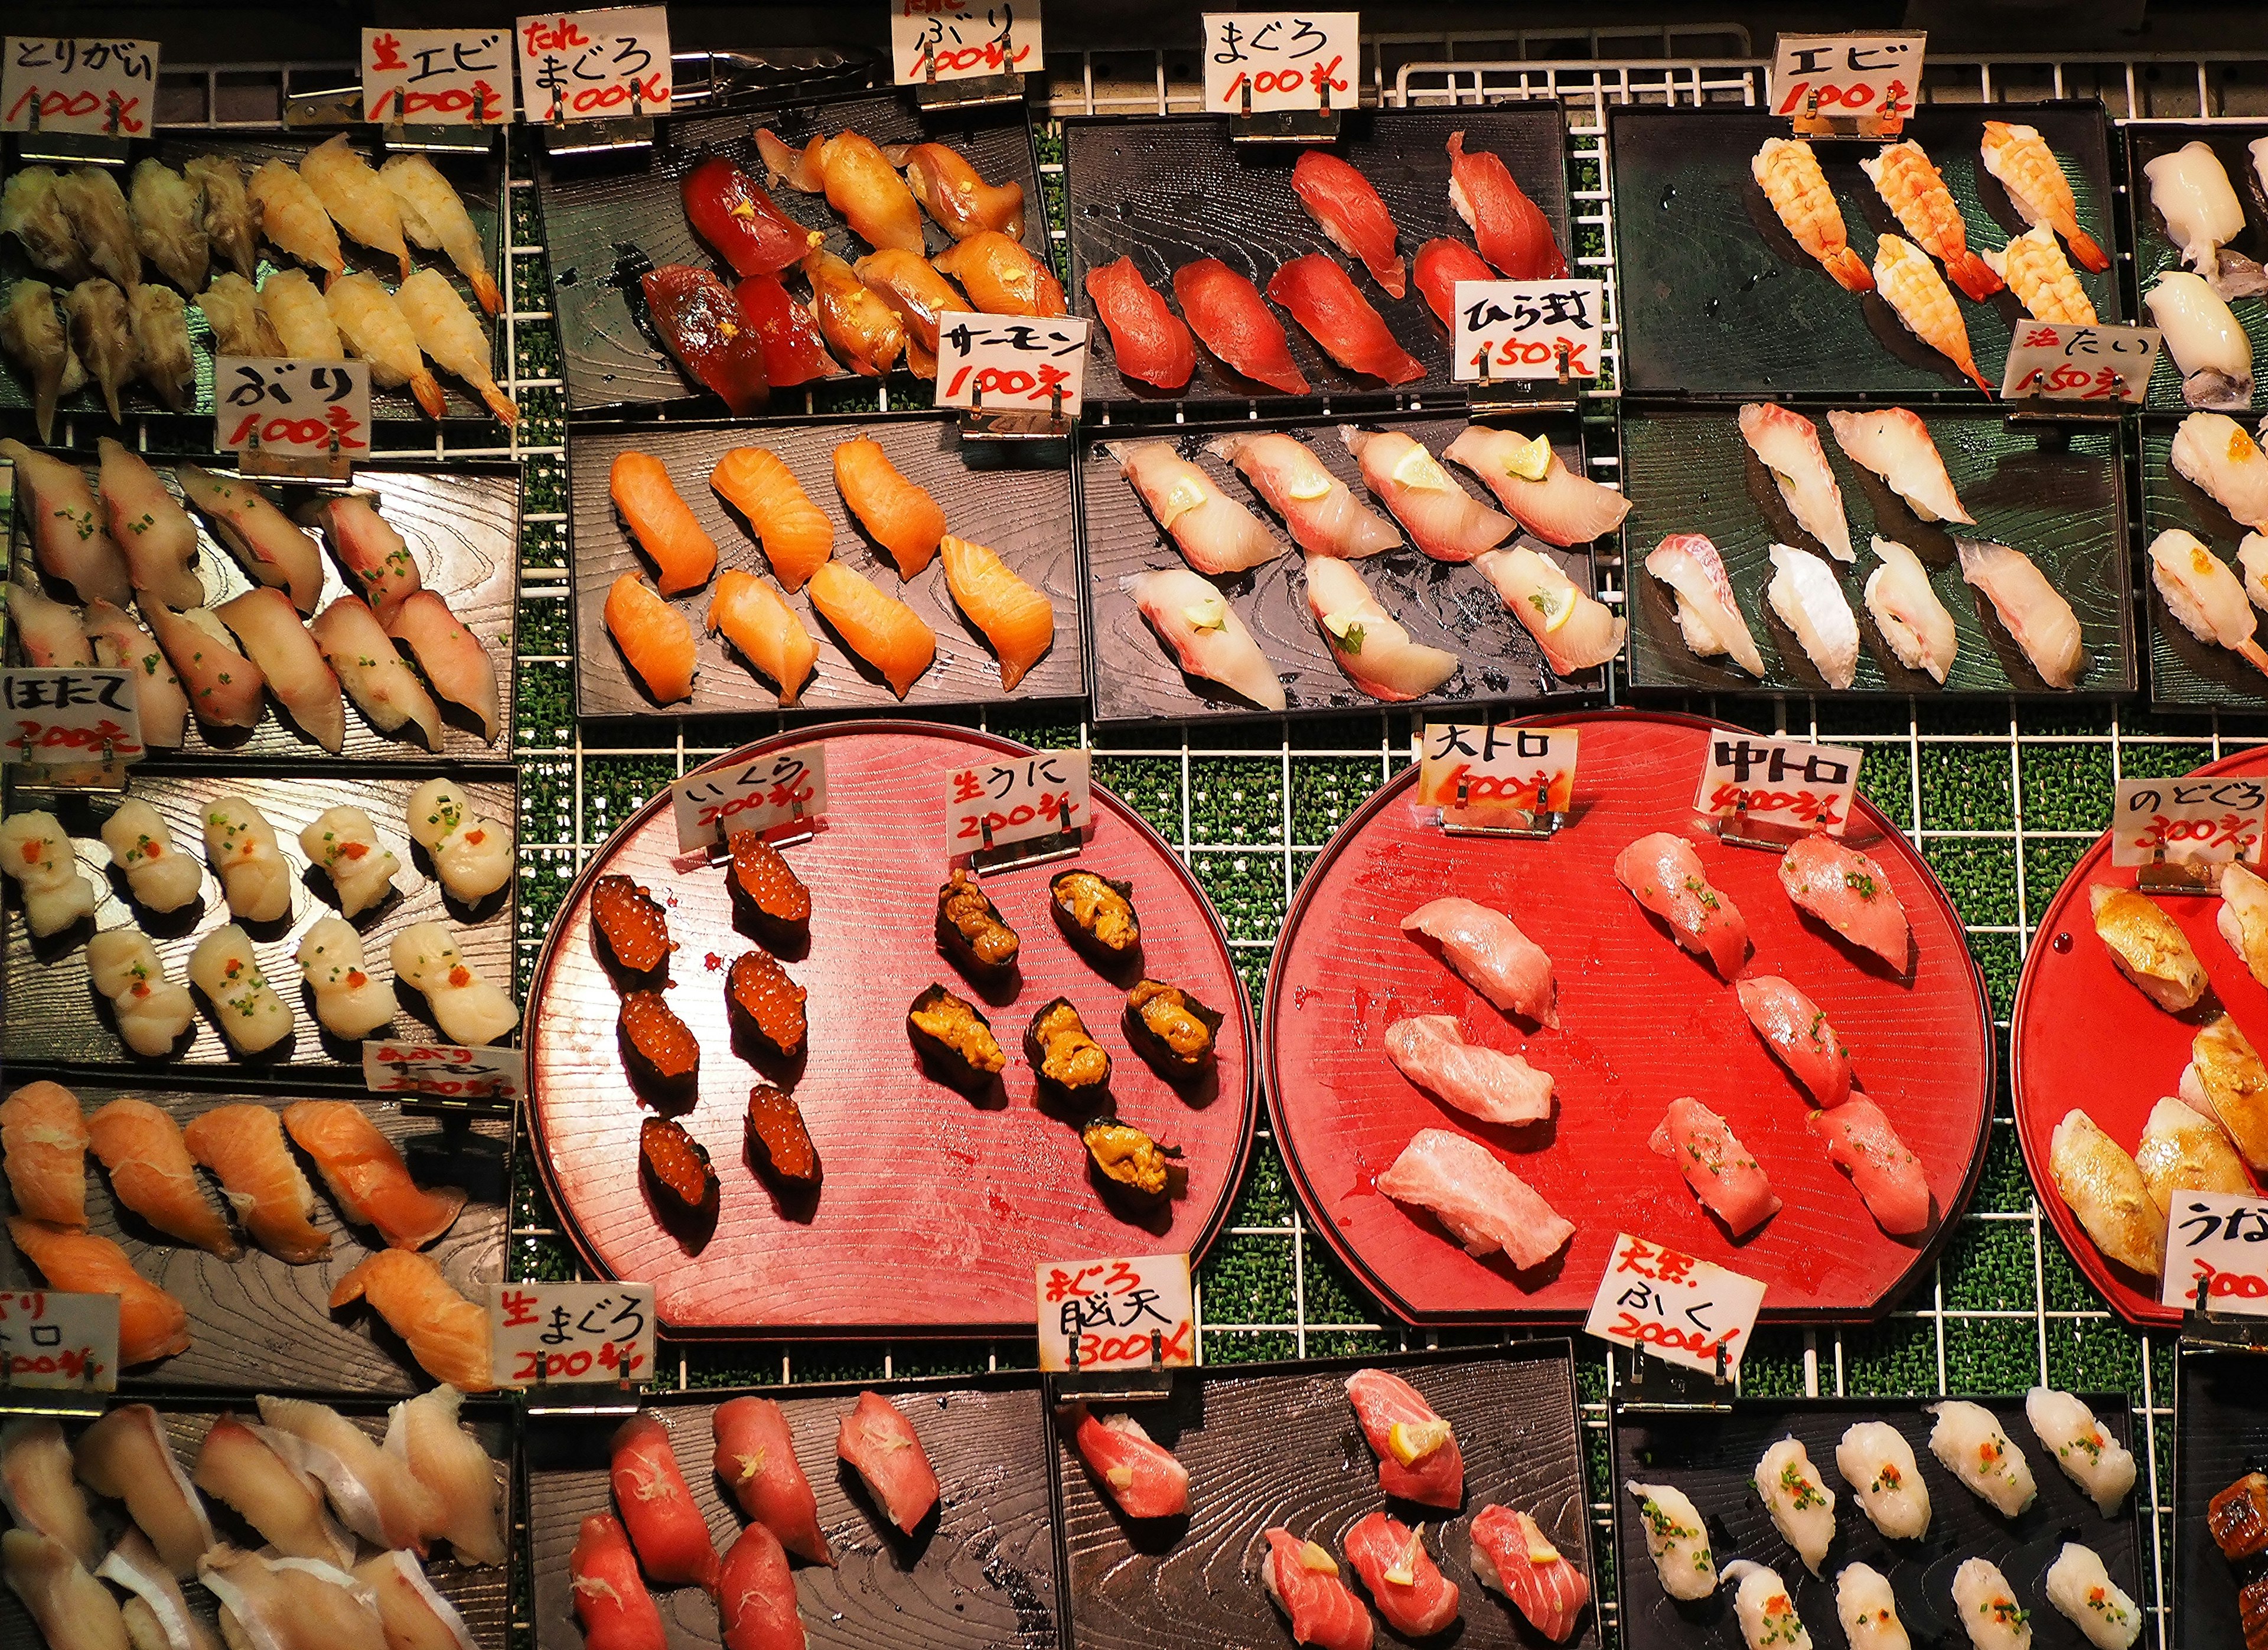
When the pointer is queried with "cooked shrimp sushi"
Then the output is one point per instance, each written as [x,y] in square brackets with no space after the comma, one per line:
[1016,616]
[452,337]
[1889,1178]
[2184,1150]
[2036,271]
[447,1334]
[1788,173]
[750,614]
[2226,1081]
[1912,187]
[1904,607]
[796,534]
[955,194]
[274,551]
[878,1441]
[372,672]
[433,216]
[904,519]
[2243,919]
[2033,612]
[1576,631]
[1401,1576]
[1442,518]
[1800,1504]
[756,1459]
[1896,445]
[878,628]
[467,1008]
[1325,517]
[1808,598]
[151,1323]
[863,328]
[1147,340]
[1440,264]
[1303,1581]
[1213,532]
[1494,957]
[2205,595]
[1724,1173]
[366,1175]
[1795,1029]
[269,629]
[1208,640]
[451,656]
[37,855]
[153,1174]
[656,638]
[1135,1471]
[1664,875]
[240,847]
[1968,1442]
[1000,277]
[1226,312]
[1348,211]
[1431,1050]
[44,1137]
[1541,492]
[2212,452]
[456,1470]
[2105,1190]
[1325,301]
[1512,1556]
[2078,1585]
[67,539]
[1479,1202]
[1987,1607]
[1850,892]
[149,525]
[1787,444]
[1511,229]
[1761,1604]
[611,1602]
[1677,1539]
[1367,641]
[373,328]
[1911,286]
[673,1542]
[1877,1462]
[1708,616]
[2089,1457]
[243,1146]
[299,318]
[152,1010]
[2028,169]
[2147,946]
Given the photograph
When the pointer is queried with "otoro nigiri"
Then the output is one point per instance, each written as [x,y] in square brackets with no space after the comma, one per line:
[1512,1556]
[1431,1050]
[1208,640]
[1488,950]
[1417,1455]
[1304,1582]
[1482,1204]
[1724,1173]
[1367,643]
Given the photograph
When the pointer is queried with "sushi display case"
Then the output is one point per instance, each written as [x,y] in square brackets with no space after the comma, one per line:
[1278,1445]
[2186,671]
[1640,1022]
[978,1572]
[2235,146]
[1711,1460]
[2220,1438]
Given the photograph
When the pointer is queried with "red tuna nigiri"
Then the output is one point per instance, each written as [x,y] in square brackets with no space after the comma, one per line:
[1139,1473]
[611,1602]
[879,1440]
[1441,264]
[1513,1555]
[1401,1576]
[1342,201]
[755,1599]
[795,352]
[729,210]
[1417,1455]
[1227,312]
[1304,1582]
[1849,893]
[699,321]
[1722,1172]
[1795,1029]
[756,1457]
[667,1529]
[1664,875]
[1149,340]
[1322,298]
[1512,230]
[1889,1177]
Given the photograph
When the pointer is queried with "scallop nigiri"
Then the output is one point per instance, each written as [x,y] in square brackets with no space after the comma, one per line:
[1787,444]
[1664,875]
[1214,533]
[36,855]
[750,614]
[1147,340]
[1348,211]
[1850,892]
[1575,630]
[455,662]
[153,1174]
[1325,517]
[1795,1029]
[1904,604]
[1808,598]
[153,1323]
[1442,518]
[1708,616]
[1015,616]
[1910,285]
[1877,1462]
[243,1145]
[1968,1443]
[152,1010]
[1368,643]
[2089,1457]
[1208,640]
[1723,1174]
[226,969]
[241,848]
[2035,612]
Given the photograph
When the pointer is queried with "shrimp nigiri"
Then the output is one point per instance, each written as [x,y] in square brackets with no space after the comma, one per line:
[1911,186]
[290,215]
[1788,172]
[1911,286]
[2020,158]
[433,216]
[451,338]
[373,328]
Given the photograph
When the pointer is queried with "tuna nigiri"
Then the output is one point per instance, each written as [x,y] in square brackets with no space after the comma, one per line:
[1401,1576]
[1510,229]
[673,1542]
[452,1466]
[729,210]
[243,1146]
[1016,616]
[1850,892]
[366,1174]
[1889,1177]
[1367,641]
[1208,640]
[1431,1050]
[225,688]
[447,1334]
[877,626]
[1304,1582]
[1442,520]
[148,526]
[1480,1202]
[1322,300]
[1708,616]
[151,1323]
[1787,444]
[1488,949]
[1417,1455]
[1213,532]
[1795,1029]
[1226,312]
[126,1455]
[1896,445]
[755,1594]
[1135,1471]
[1512,1556]
[372,671]
[67,538]
[656,639]
[1576,631]
[1441,264]
[795,350]
[1664,875]
[904,519]
[750,614]
[1000,277]
[683,554]
[611,1602]
[273,549]
[1325,517]
[1147,340]
[880,1442]
[158,699]
[451,656]
[1542,494]
[756,1458]
[45,1136]
[153,1174]
[1722,1172]
[700,323]
[796,534]
[1348,211]
[269,629]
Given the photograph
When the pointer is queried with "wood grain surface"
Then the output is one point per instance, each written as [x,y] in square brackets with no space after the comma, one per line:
[1713,1459]
[1024,513]
[1643,1022]
[2056,493]
[2155,253]
[257,1323]
[1167,192]
[1278,1443]
[55,1014]
[980,1575]
[923,1187]
[2184,671]
[1441,604]
[2221,1433]
[460,520]
[1717,299]
[607,217]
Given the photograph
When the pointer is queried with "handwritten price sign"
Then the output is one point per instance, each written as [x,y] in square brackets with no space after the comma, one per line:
[960,39]
[1870,78]
[1017,800]
[58,1341]
[1115,1312]
[1464,764]
[60,717]
[1010,362]
[1780,782]
[304,409]
[444,1070]
[2218,1239]
[559,1334]
[1281,60]
[759,796]
[1527,328]
[2085,363]
[2195,821]
[595,65]
[1675,1306]
[104,86]
[437,77]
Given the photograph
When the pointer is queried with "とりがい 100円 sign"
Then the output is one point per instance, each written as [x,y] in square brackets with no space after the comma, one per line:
[103,87]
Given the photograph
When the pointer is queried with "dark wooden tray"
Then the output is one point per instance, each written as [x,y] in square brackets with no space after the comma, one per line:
[608,217]
[999,1185]
[259,1324]
[1167,191]
[2221,1433]
[1635,1007]
[1713,1459]
[1441,604]
[1717,299]
[2184,671]
[980,1575]
[1023,512]
[2154,254]
[55,1015]
[1278,1443]
[2057,493]
[461,521]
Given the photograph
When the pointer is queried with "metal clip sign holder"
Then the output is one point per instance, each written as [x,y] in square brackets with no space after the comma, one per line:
[970,91]
[1144,1385]
[1496,397]
[1649,1385]
[334,468]
[1318,125]
[2222,1331]
[1737,829]
[563,137]
[73,149]
[2046,409]
[1030,850]
[2163,875]
[1536,825]
[980,423]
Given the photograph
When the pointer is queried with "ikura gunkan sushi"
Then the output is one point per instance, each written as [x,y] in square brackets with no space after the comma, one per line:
[778,1139]
[955,1040]
[633,929]
[971,930]
[659,1051]
[1132,1163]
[1171,1029]
[677,1164]
[767,894]
[1069,1063]
[1096,914]
[767,1002]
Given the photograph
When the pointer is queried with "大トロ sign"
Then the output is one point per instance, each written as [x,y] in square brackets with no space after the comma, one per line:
[1466,765]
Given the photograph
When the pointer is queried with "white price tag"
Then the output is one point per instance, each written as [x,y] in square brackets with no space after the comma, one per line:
[1010,362]
[962,39]
[595,65]
[2065,363]
[1869,79]
[444,1070]
[437,77]
[988,805]
[2218,1239]
[556,1334]
[1680,1308]
[60,716]
[757,796]
[1281,60]
[1779,781]
[57,1341]
[1526,328]
[105,86]
[1116,1312]
[2192,822]
[290,409]
[1532,769]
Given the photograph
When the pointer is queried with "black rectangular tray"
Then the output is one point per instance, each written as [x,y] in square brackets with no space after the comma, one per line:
[1717,299]
[979,1572]
[1441,604]
[1278,1443]
[55,1014]
[607,217]
[460,518]
[2155,253]
[259,1324]
[1713,1459]
[478,179]
[2055,492]
[2221,1433]
[991,496]
[1166,191]
[2184,671]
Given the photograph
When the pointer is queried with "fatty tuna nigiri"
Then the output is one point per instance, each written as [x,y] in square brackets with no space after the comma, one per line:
[1135,1471]
[1664,875]
[796,532]
[1322,300]
[1348,211]
[1213,532]
[1441,263]
[1367,641]
[1442,520]
[1512,230]
[1417,1455]
[1795,1029]
[1147,340]
[1208,640]
[1850,892]
[683,554]
[151,1323]
[756,1458]
[1401,1576]
[1722,1172]
[1488,950]
[1889,1177]
[1226,312]
[1016,616]
[750,614]
[1431,1050]
[656,639]
[877,626]
[611,1602]
[1512,1556]
[880,1442]
[904,519]
[665,1526]
[702,324]
[1477,1200]
[1304,1582]
[153,1174]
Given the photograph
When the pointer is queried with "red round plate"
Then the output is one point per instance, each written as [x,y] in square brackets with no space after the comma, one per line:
[933,1210]
[2083,1036]
[1642,1021]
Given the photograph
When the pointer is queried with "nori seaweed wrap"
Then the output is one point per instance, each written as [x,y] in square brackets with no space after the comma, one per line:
[971,932]
[1070,1065]
[1171,1029]
[1096,914]
[955,1040]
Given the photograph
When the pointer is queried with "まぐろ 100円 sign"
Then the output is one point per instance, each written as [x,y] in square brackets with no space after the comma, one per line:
[1259,61]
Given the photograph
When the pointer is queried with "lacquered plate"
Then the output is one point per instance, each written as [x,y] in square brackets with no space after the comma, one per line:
[2082,1035]
[934,1209]
[1642,1022]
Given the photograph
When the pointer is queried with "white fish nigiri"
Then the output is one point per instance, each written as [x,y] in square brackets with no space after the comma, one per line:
[2212,452]
[1707,613]
[1762,1605]
[49,631]
[2207,342]
[1868,1610]
[345,843]
[149,525]
[38,1490]
[67,538]
[1367,641]
[1787,445]
[269,629]
[159,702]
[1987,1608]
[273,551]
[223,687]
[2252,556]
[1441,518]
[156,1616]
[1213,532]
[2190,189]
[349,1002]
[2089,1457]
[1896,445]
[2201,592]
[2082,1589]
[240,847]
[1575,630]
[159,875]
[1325,517]
[1677,1539]
[472,854]
[71,1610]
[1207,639]
[1904,607]
[2242,919]
[416,1617]
[467,1008]
[1800,1502]
[1968,1443]
[152,1011]
[449,1461]
[226,969]
[376,1494]
[1877,1462]
[454,661]
[1809,600]
[372,671]
[2035,612]
[1532,482]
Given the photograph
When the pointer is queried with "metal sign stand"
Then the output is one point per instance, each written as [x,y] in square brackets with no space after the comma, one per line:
[1737,829]
[1145,1385]
[2177,876]
[1031,851]
[1318,125]
[563,137]
[331,470]
[72,148]
[1654,1386]
[1496,397]
[1534,826]
[2206,1329]
[971,93]
[980,423]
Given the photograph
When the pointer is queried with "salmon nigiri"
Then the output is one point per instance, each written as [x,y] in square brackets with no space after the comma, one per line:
[665,1526]
[366,1174]
[45,1138]
[683,555]
[904,519]
[878,628]
[1148,341]
[151,1323]
[1225,311]
[655,638]
[153,1174]
[750,614]
[243,1146]
[1016,616]
[1325,301]
[796,534]
[447,1334]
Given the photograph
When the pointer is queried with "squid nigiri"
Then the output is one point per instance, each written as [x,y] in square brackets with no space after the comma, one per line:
[1322,511]
[1367,641]
[2212,452]
[1723,1174]
[1208,640]
[2190,189]
[1147,340]
[1575,630]
[1512,230]
[1324,301]
[1664,874]
[1348,211]
[2207,343]
[1226,312]
[1213,532]
[1442,518]
[1708,616]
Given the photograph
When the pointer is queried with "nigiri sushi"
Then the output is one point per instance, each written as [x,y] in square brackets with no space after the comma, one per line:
[1208,640]
[377,560]
[1488,950]
[1481,1203]
[1987,1608]
[954,194]
[2209,346]
[2028,169]
[1877,1462]
[2078,1585]
[903,519]
[31,330]
[150,527]
[1213,532]
[292,1603]
[67,538]
[731,211]
[1912,187]
[1787,444]
[2147,946]
[1322,300]
[1001,276]
[1575,630]
[37,855]
[1540,492]
[127,1457]
[43,1134]
[876,626]
[153,1174]
[375,1493]
[1795,1029]
[373,674]
[1809,600]
[2191,190]
[1431,1050]
[859,182]
[755,1594]
[226,969]
[702,325]
[1348,211]
[1511,229]
[237,1464]
[373,329]
[665,529]
[2035,612]
[1850,892]
[1768,1617]
[102,333]
[611,1602]
[2243,919]
[1147,340]
[1442,518]
[1708,616]
[447,1334]
[454,1469]
[2212,452]
[1664,875]
[2036,271]
[1230,318]
[2203,595]
[2252,556]
[47,631]
[1801,1506]
[767,632]
[1512,1556]
[357,201]
[673,1542]
[434,216]
[2226,1081]
[37,1487]
[1015,616]
[1968,1443]
[1135,1471]
[1896,445]
[1788,173]
[471,853]
[276,552]
[231,307]
[1441,263]
[1401,1576]
[1724,1173]
[68,1606]
[224,687]
[152,1010]
[1904,607]
[1367,643]
[366,1175]
[159,703]
[2105,1190]
[241,848]
[269,629]
[1676,1540]
[863,331]
[2184,1150]
[455,662]
[916,293]
[292,309]
[415,1616]
[1910,283]
[2089,1457]
[344,843]
[243,1145]
[796,534]
[656,639]
[880,1444]
[756,1458]
[1303,1581]
[467,1008]
[1325,517]
[151,1323]
[1889,1176]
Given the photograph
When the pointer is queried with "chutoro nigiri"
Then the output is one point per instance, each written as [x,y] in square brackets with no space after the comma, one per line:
[1664,875]
[1431,1050]
[1722,1172]
[1911,286]
[1348,211]
[1135,1471]
[1809,600]
[1226,312]
[1904,607]
[1443,520]
[878,1441]
[1401,1576]
[1208,640]
[2035,612]
[1147,340]
[1214,533]
[1483,1203]
[1889,1177]
[1576,631]
[1441,263]
[1325,517]
[1512,1556]
[1850,892]
[1795,1029]
[1708,616]
[1488,950]
[1367,641]
[1303,1579]
[1787,444]
[1511,229]
[1417,1455]
[1896,445]
[1324,301]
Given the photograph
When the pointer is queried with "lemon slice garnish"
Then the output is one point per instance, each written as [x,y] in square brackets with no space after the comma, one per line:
[1410,1442]
[1314,1557]
[1315,486]
[1211,613]
[1121,1478]
[1416,468]
[1403,1571]
[1527,458]
[1185,495]
[1555,604]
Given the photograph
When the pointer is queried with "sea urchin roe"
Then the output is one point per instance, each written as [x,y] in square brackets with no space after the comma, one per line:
[761,989]
[783,1144]
[678,1163]
[768,881]
[1061,1049]
[1183,1027]
[632,922]
[970,924]
[658,1038]
[1097,909]
[955,1024]
[1128,1157]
